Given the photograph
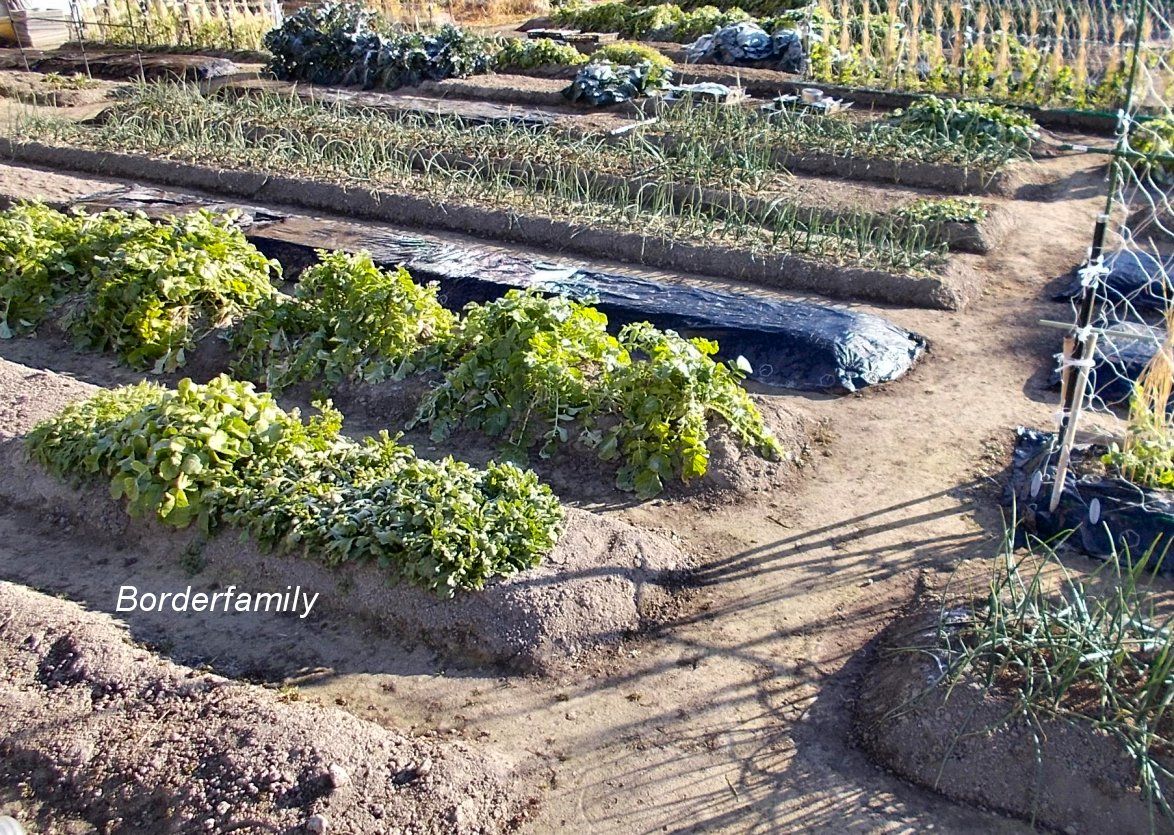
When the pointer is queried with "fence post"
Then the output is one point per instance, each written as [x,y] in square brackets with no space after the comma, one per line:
[1084,347]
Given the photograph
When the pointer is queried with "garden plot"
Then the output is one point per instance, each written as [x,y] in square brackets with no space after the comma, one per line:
[1034,691]
[888,258]
[789,344]
[852,145]
[434,99]
[119,65]
[348,322]
[53,89]
[98,730]
[365,378]
[967,225]
[604,580]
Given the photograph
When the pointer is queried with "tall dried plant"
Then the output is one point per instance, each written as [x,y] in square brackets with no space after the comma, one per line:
[1149,418]
[892,41]
[939,25]
[866,33]
[913,52]
[845,26]
[1080,62]
[1003,54]
[958,46]
[1056,57]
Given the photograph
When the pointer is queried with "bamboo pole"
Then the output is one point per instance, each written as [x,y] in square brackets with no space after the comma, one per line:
[1085,337]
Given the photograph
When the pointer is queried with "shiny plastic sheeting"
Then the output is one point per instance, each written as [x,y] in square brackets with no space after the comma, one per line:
[790,344]
[1120,359]
[1105,515]
[1136,278]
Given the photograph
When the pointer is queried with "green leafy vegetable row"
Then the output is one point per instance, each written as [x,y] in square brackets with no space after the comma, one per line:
[347,319]
[545,371]
[661,22]
[526,54]
[634,54]
[223,453]
[145,290]
[532,370]
[346,43]
[535,370]
[969,123]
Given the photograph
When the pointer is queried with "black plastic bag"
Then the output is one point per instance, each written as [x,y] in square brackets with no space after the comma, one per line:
[1106,515]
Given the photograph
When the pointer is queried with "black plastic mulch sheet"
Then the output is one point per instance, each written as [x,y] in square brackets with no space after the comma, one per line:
[1136,278]
[789,344]
[1106,515]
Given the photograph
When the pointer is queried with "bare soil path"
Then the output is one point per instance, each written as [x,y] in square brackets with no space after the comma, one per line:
[735,718]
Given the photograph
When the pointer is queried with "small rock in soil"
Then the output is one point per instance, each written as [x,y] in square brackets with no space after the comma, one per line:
[338,776]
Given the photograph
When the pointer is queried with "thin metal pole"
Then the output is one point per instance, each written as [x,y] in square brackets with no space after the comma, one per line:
[76,13]
[1085,338]
[130,20]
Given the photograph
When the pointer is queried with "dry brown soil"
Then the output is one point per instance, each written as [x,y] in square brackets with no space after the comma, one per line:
[736,716]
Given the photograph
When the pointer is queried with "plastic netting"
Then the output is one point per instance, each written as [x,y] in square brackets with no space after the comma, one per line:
[1134,296]
[1117,364]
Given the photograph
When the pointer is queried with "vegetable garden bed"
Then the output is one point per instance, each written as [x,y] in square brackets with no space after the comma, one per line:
[789,344]
[1107,514]
[841,147]
[552,158]
[769,83]
[969,742]
[604,579]
[119,65]
[951,290]
[469,102]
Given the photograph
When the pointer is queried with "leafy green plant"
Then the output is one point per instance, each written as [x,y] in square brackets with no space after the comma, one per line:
[524,368]
[166,451]
[1146,456]
[223,453]
[612,16]
[1154,140]
[634,54]
[943,210]
[756,7]
[970,123]
[347,318]
[133,286]
[151,293]
[36,264]
[127,284]
[661,21]
[519,54]
[72,81]
[346,43]
[533,370]
[660,405]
